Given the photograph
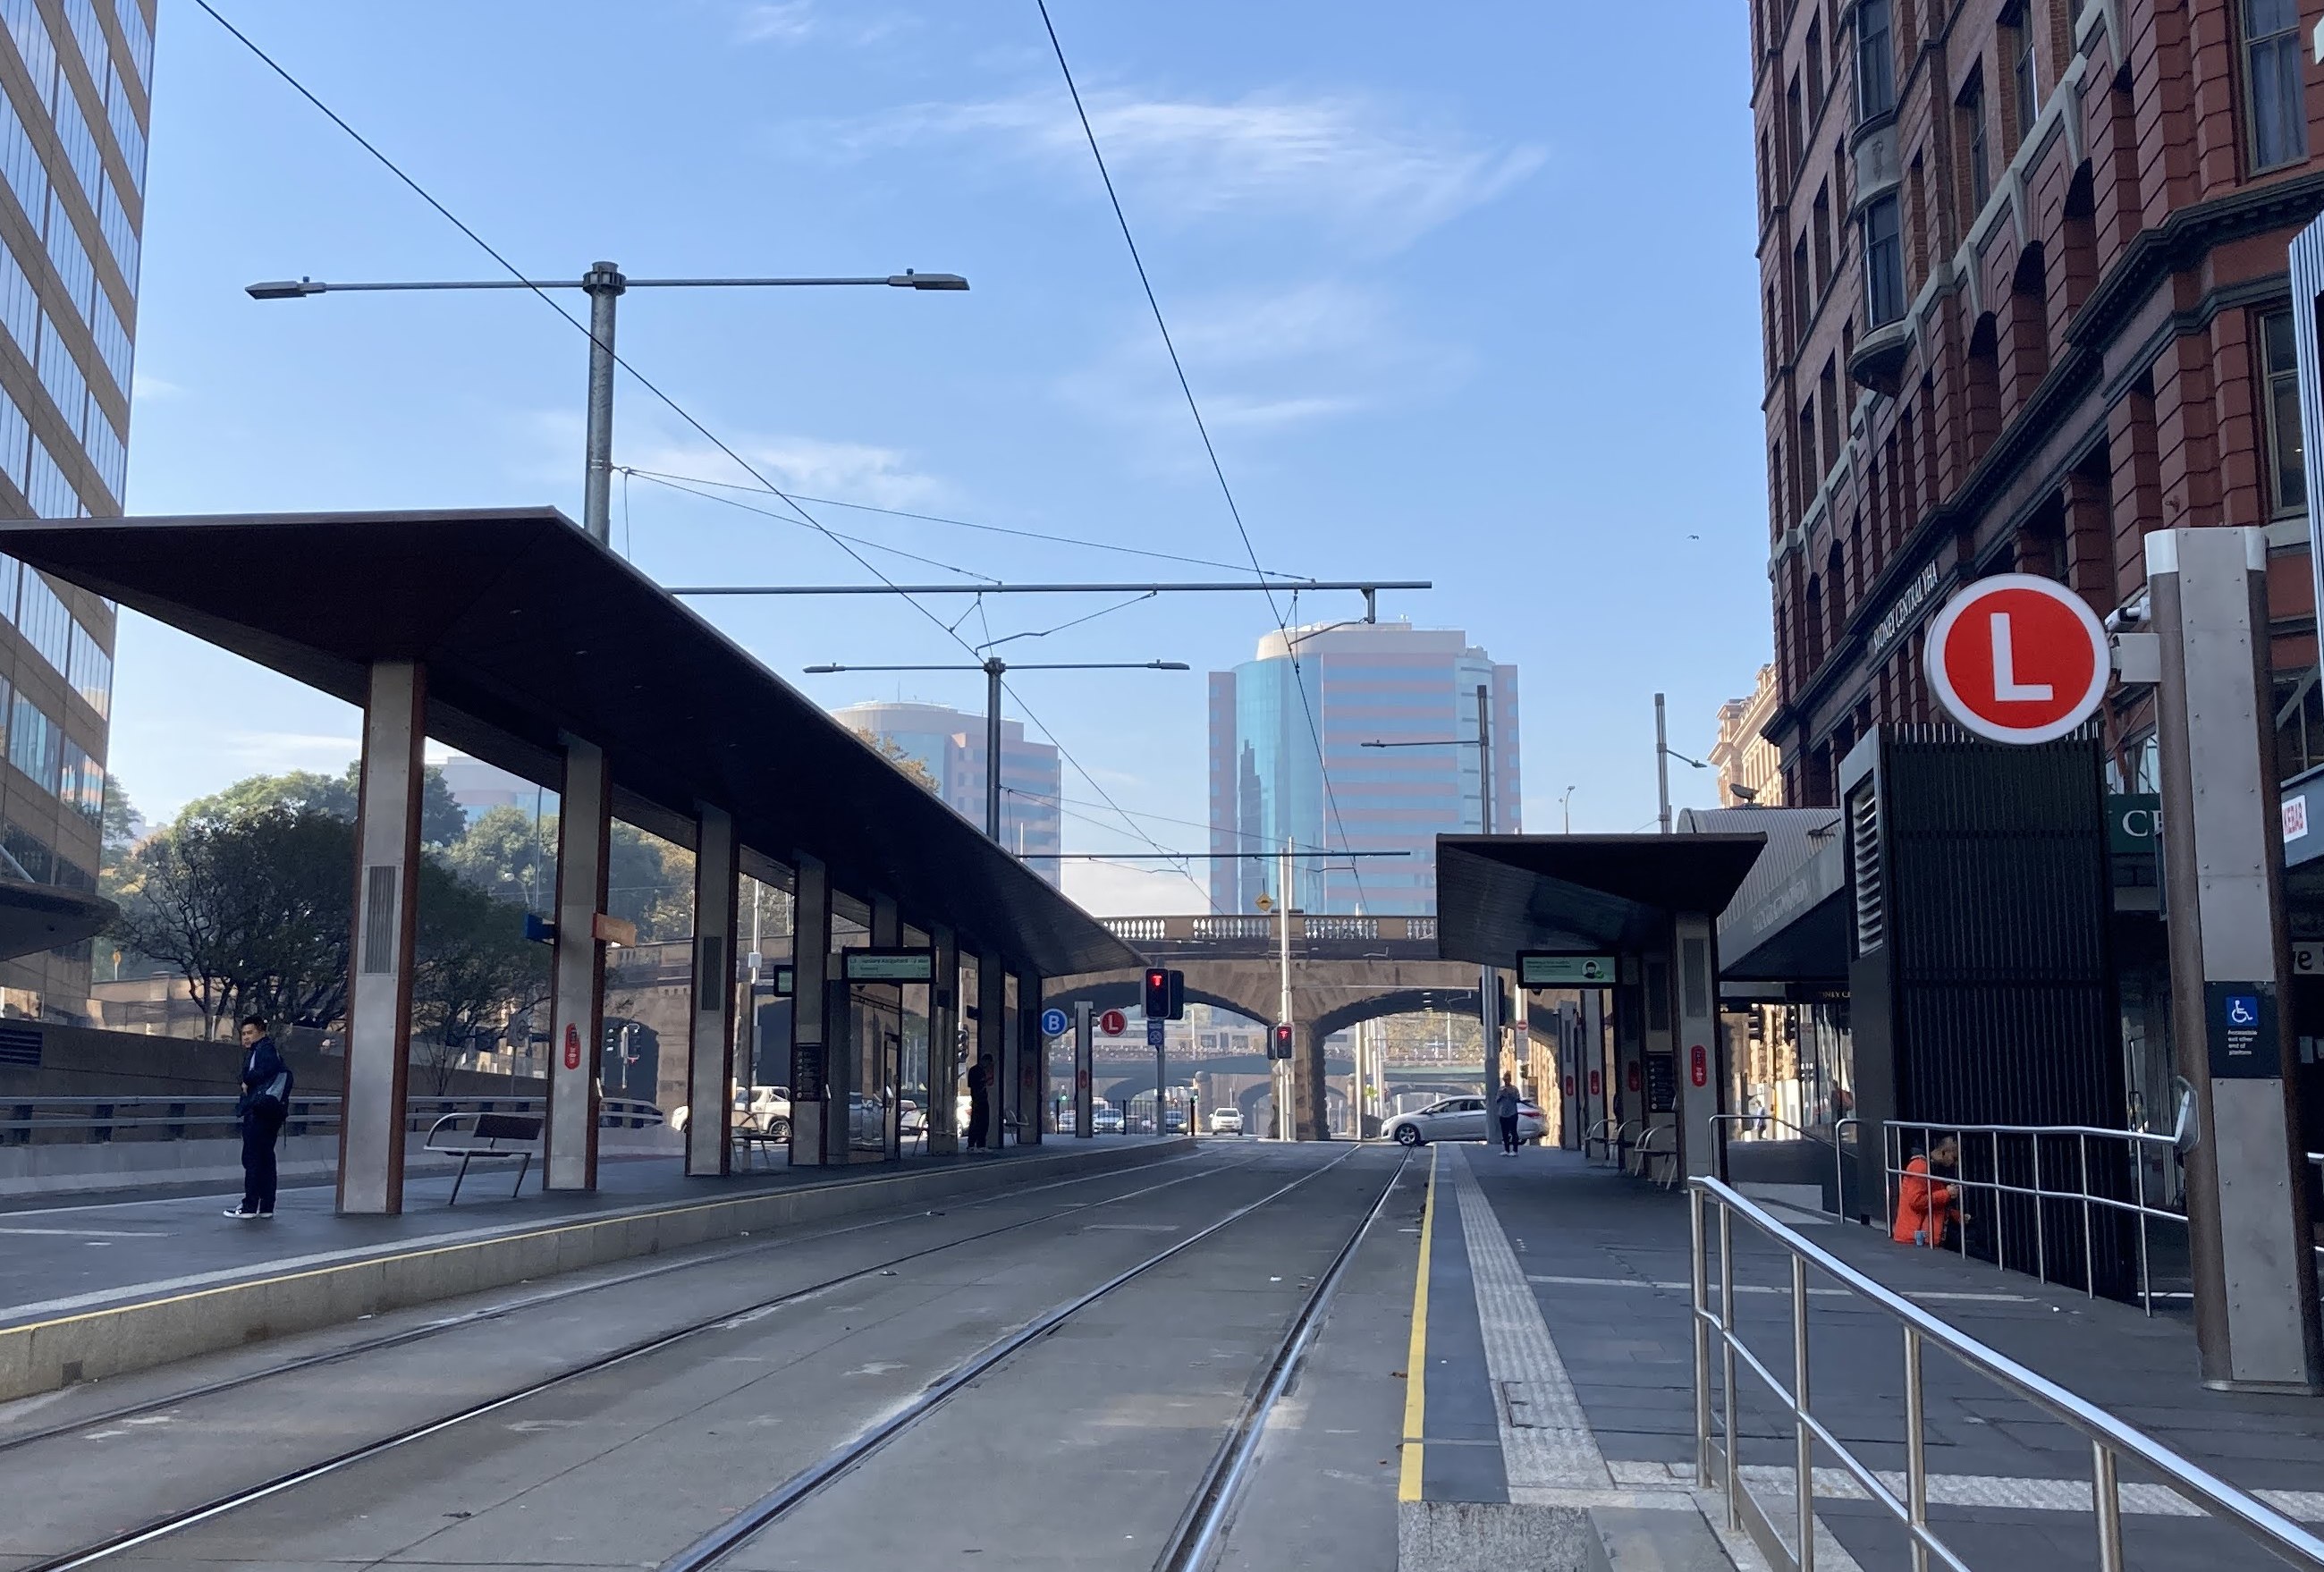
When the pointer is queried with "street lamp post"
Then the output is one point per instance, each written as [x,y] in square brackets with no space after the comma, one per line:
[994,669]
[1663,754]
[1565,806]
[604,284]
[1489,988]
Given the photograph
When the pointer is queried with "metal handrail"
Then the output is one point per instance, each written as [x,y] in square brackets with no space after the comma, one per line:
[1893,1164]
[2111,1441]
[97,1118]
[1839,1153]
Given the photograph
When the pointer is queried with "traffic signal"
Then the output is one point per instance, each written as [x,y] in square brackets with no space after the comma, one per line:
[1165,993]
[1280,1047]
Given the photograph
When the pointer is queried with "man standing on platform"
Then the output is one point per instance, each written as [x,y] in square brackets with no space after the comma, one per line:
[265,1101]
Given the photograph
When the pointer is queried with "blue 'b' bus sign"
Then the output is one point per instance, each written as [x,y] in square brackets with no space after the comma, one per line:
[1053,1022]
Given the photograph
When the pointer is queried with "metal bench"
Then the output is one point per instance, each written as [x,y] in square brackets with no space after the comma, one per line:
[476,1135]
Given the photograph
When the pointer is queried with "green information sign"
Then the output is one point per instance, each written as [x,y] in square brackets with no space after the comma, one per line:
[1559,971]
[889,965]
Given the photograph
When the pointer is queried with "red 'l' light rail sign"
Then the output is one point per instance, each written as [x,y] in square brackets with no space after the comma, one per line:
[2018,659]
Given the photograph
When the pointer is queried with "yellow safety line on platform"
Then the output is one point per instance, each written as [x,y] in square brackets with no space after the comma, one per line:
[1416,1361]
[365,1262]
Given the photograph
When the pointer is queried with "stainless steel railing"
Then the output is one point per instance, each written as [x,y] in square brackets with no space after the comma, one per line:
[25,1121]
[1722,1122]
[1644,1152]
[2027,1141]
[1605,1135]
[2111,1441]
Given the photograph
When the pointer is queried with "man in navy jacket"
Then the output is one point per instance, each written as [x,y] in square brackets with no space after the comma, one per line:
[265,1100]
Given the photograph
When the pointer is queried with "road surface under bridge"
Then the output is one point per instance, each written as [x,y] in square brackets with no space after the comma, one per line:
[1345,970]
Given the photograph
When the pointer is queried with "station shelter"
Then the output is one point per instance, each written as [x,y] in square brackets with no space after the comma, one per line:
[916,947]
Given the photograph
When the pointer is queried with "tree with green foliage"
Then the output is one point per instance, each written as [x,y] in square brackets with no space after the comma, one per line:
[442,820]
[250,908]
[472,969]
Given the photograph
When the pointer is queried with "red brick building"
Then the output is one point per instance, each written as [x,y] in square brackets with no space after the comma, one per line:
[2026,297]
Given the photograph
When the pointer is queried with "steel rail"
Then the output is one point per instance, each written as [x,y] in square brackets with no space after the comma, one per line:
[730,1536]
[176,1522]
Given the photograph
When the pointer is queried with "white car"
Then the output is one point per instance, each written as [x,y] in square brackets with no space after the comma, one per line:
[1460,1119]
[1226,1121]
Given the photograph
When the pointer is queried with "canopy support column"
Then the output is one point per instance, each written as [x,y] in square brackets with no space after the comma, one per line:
[386,908]
[578,977]
[710,1104]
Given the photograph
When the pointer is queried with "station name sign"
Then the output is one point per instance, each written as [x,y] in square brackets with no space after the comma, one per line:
[1539,970]
[1904,612]
[888,965]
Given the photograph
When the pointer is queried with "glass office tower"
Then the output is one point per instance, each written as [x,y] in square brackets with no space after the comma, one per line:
[1363,682]
[76,80]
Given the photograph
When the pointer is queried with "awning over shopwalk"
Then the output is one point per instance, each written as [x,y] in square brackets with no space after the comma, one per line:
[1787,921]
[1499,895]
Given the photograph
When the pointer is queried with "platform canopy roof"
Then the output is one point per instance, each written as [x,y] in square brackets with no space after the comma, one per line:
[1499,895]
[530,632]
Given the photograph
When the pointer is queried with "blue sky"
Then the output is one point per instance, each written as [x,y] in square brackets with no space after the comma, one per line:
[1467,294]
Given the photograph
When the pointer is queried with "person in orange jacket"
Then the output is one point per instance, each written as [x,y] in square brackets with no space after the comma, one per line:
[1923,1203]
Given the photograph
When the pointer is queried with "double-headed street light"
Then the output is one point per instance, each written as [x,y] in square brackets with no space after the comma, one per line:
[994,669]
[603,283]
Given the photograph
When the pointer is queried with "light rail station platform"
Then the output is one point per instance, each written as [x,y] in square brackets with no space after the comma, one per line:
[1554,1401]
[96,1289]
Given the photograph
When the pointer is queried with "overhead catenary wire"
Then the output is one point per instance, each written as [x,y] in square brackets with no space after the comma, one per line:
[652,387]
[1287,578]
[1202,427]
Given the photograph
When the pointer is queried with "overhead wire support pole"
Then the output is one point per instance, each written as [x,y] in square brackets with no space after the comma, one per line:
[604,284]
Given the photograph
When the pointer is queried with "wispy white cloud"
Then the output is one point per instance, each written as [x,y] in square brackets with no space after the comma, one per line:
[860,472]
[778,22]
[1123,889]
[1264,363]
[146,386]
[283,750]
[1344,159]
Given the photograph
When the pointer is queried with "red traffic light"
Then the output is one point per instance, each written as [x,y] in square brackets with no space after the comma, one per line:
[1282,1046]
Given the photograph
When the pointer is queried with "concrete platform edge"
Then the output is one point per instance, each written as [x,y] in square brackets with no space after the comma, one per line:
[1459,1536]
[44,1355]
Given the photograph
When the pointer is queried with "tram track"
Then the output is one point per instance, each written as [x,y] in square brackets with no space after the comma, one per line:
[1196,1537]
[485,1314]
[179,1522]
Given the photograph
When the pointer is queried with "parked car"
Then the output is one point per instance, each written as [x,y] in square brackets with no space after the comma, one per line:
[1226,1121]
[1173,1121]
[1106,1122]
[910,1121]
[1460,1119]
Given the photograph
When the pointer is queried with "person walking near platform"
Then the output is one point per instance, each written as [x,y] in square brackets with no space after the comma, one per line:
[265,1101]
[1923,1204]
[979,1104]
[1506,1103]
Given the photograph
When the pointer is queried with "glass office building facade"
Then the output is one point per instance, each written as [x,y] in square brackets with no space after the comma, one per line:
[950,746]
[76,79]
[1348,686]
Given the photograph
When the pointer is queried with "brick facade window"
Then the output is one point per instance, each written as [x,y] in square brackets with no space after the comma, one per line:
[1971,109]
[1884,262]
[1876,60]
[2287,468]
[2277,121]
[2024,85]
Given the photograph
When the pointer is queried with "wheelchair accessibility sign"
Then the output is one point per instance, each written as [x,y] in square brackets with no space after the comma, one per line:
[2243,1030]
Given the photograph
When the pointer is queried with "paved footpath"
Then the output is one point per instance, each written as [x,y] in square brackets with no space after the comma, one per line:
[1559,1372]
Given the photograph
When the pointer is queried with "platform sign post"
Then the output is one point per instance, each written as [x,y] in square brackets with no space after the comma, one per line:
[2254,1271]
[1155,1030]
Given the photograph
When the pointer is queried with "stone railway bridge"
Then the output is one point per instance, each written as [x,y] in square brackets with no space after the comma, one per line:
[1344,970]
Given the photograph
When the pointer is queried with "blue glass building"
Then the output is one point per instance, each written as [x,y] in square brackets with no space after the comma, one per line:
[1363,682]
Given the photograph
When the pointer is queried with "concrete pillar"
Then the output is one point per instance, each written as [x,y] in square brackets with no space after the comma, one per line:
[887,931]
[992,1034]
[1592,1063]
[1085,1047]
[1642,1027]
[2254,1271]
[578,977]
[710,1064]
[1310,1095]
[944,1046]
[811,971]
[1702,1079]
[1032,1061]
[379,986]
